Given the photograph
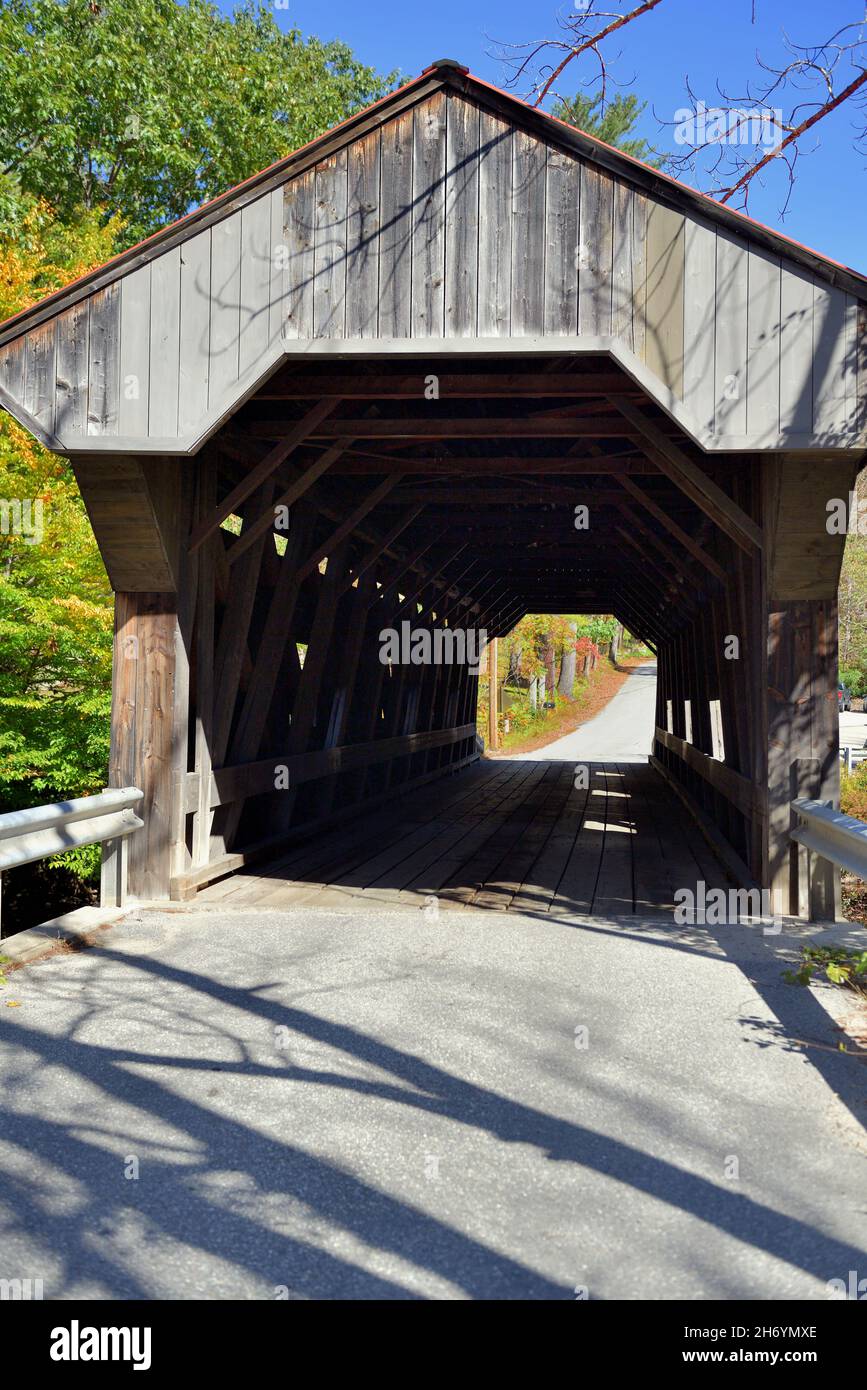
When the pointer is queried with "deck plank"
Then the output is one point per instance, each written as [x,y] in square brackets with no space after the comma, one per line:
[614,895]
[503,835]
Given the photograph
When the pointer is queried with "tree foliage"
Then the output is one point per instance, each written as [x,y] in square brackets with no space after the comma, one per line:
[537,643]
[145,108]
[117,116]
[612,121]
[55,600]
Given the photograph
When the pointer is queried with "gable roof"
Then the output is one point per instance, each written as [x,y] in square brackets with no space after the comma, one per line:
[444,74]
[449,217]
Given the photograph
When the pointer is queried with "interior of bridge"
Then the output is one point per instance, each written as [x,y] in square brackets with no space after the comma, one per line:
[352,494]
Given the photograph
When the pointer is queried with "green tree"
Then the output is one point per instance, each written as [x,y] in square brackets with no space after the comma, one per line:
[145,108]
[55,599]
[612,121]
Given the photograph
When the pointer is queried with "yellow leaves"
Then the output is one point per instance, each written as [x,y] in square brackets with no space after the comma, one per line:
[45,257]
[79,608]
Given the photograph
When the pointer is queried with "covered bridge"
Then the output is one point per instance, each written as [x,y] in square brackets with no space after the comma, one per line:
[410,350]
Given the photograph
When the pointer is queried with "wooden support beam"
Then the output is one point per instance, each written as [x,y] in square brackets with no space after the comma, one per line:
[142,720]
[468,385]
[295,433]
[692,480]
[429,577]
[204,665]
[295,490]
[321,630]
[692,547]
[736,788]
[433,426]
[231,784]
[456,495]
[676,573]
[635,623]
[407,563]
[349,525]
[361,463]
[276,633]
[234,633]
[380,546]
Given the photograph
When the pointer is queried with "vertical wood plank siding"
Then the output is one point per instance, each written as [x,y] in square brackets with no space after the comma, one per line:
[450,222]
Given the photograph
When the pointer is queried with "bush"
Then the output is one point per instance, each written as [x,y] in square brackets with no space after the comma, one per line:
[854,679]
[853,792]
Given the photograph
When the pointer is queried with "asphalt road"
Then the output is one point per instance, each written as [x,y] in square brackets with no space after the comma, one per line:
[351,1106]
[621,732]
[853,729]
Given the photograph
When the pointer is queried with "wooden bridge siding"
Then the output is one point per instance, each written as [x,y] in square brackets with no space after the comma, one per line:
[778,699]
[210,700]
[448,222]
[693,667]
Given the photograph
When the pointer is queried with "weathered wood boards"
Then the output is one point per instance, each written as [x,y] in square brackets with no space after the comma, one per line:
[452,217]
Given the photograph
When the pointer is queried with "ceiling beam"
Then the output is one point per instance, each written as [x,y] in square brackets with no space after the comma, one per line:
[452,427]
[347,527]
[298,431]
[469,385]
[692,480]
[296,489]
[692,547]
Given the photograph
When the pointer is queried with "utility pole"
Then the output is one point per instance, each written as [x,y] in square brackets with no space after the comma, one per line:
[493,723]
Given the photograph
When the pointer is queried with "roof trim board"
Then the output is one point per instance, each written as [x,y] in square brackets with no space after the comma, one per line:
[299,350]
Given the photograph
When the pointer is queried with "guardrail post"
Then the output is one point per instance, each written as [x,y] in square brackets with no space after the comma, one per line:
[825,897]
[113,873]
[818,879]
[805,779]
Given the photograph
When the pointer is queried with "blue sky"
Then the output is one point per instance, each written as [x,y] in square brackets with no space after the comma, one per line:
[709,42]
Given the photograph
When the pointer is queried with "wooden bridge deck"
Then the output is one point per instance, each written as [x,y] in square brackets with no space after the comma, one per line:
[504,834]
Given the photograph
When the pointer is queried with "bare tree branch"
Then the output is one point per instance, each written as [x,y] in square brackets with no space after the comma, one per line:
[591,44]
[788,100]
[854,86]
[815,70]
[583,37]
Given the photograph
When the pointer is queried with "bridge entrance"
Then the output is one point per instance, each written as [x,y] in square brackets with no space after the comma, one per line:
[451,363]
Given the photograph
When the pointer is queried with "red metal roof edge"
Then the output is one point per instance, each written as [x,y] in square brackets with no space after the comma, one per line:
[466,80]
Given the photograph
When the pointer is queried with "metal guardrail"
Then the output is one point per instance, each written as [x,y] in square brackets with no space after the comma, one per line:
[105,819]
[851,757]
[836,837]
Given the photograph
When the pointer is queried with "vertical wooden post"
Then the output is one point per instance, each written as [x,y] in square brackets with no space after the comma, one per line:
[803,759]
[143,700]
[493,721]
